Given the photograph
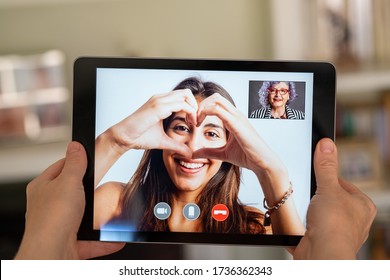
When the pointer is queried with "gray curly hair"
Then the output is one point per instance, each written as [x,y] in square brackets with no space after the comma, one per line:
[263,92]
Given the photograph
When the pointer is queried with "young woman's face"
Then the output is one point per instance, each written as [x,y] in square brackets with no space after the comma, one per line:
[193,174]
[278,95]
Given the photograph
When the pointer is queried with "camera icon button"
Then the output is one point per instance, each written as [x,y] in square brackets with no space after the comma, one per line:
[162,211]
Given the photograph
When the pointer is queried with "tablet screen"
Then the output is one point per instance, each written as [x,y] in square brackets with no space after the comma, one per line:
[202,155]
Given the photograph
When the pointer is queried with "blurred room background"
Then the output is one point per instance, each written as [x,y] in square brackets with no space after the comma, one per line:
[40,39]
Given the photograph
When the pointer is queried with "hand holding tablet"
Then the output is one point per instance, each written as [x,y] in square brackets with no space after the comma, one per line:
[200,149]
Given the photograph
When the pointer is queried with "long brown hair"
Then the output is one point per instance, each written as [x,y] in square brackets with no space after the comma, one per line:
[151,184]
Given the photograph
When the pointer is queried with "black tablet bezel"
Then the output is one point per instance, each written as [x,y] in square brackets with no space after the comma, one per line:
[83,128]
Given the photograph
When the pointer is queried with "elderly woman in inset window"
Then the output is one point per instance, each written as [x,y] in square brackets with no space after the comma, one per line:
[275,96]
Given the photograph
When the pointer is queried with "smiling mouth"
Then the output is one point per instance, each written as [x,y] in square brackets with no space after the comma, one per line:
[191,165]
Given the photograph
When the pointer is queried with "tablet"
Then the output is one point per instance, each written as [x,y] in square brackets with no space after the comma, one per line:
[200,151]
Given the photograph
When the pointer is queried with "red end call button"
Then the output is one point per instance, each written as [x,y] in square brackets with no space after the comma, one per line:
[220,212]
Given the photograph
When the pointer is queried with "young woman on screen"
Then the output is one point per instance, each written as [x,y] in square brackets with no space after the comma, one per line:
[195,142]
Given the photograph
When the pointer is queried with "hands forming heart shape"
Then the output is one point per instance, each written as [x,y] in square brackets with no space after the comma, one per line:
[144,129]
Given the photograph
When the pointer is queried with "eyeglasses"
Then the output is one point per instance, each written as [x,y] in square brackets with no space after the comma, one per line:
[282,91]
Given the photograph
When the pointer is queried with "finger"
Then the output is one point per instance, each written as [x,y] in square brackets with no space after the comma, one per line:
[169,144]
[177,107]
[216,105]
[212,153]
[189,100]
[326,164]
[48,175]
[177,95]
[174,106]
[349,187]
[185,95]
[75,162]
[164,104]
[180,96]
[51,172]
[94,249]
[370,209]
